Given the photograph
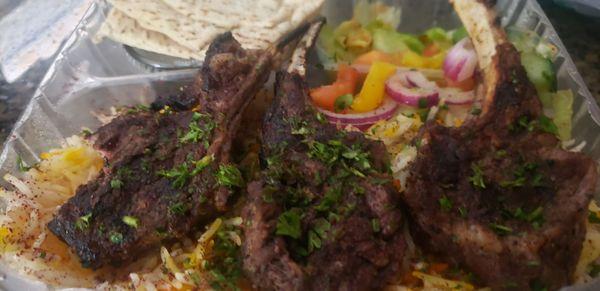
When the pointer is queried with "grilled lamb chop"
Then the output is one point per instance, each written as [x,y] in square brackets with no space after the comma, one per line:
[168,169]
[498,195]
[324,215]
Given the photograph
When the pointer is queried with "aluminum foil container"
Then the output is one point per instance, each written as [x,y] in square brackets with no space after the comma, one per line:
[88,78]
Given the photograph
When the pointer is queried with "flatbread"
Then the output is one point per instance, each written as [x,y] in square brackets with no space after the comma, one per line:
[121,28]
[193,24]
[157,16]
[259,13]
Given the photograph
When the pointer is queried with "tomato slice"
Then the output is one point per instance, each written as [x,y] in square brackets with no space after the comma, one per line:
[431,50]
[347,79]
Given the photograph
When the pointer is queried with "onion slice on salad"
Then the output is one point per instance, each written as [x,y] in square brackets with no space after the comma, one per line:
[413,89]
[362,120]
[461,61]
[455,96]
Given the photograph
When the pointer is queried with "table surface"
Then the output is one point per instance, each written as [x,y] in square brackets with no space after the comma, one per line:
[580,34]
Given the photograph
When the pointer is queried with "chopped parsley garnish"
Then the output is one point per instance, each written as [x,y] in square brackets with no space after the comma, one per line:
[477,179]
[116,237]
[543,123]
[182,173]
[86,132]
[463,212]
[321,118]
[423,103]
[445,203]
[547,125]
[224,267]
[521,175]
[229,176]
[198,132]
[533,263]
[83,222]
[116,183]
[475,111]
[376,225]
[138,108]
[594,270]
[178,208]
[330,199]
[501,153]
[593,217]
[21,165]
[288,224]
[343,102]
[131,221]
[501,229]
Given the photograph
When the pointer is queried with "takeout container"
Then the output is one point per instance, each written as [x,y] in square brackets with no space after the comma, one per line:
[87,79]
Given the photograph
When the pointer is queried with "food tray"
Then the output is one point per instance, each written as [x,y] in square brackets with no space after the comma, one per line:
[88,78]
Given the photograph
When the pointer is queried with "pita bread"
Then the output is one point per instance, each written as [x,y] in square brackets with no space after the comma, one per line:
[157,16]
[193,24]
[121,28]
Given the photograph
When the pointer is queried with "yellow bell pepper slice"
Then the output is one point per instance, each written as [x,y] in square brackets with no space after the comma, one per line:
[436,61]
[373,90]
[412,60]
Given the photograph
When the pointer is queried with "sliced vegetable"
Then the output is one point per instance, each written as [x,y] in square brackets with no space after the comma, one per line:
[563,113]
[363,120]
[343,102]
[461,61]
[377,56]
[413,89]
[389,41]
[372,92]
[366,13]
[455,96]
[431,50]
[459,34]
[412,60]
[465,85]
[540,71]
[436,34]
[325,96]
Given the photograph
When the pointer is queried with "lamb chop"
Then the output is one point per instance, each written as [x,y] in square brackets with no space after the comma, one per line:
[498,195]
[324,214]
[168,170]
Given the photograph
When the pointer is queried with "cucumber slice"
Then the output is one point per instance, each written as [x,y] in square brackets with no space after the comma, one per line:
[540,71]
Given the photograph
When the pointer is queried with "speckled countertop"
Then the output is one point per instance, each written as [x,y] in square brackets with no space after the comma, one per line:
[580,34]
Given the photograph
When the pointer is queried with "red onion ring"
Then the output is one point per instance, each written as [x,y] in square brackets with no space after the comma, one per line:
[461,61]
[410,88]
[454,96]
[363,120]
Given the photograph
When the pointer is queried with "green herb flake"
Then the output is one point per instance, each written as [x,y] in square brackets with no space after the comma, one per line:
[288,224]
[593,217]
[131,221]
[321,118]
[116,237]
[463,212]
[594,270]
[547,125]
[86,132]
[476,111]
[229,176]
[445,203]
[21,165]
[423,103]
[501,229]
[343,102]
[533,263]
[116,183]
[314,242]
[83,222]
[477,179]
[178,208]
[376,225]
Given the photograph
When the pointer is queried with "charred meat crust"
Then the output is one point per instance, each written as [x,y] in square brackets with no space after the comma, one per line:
[355,217]
[498,195]
[159,181]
